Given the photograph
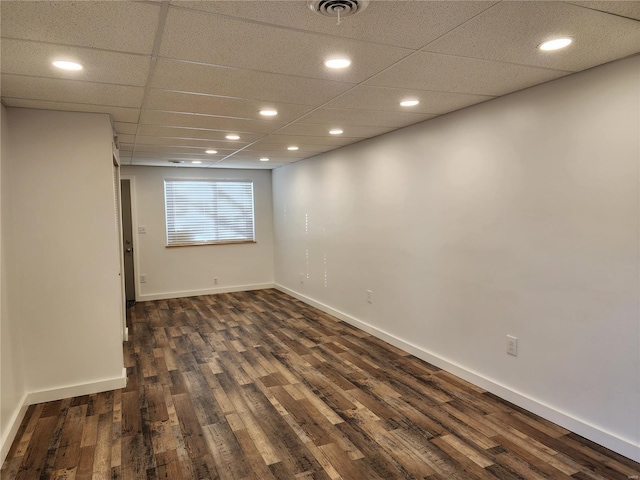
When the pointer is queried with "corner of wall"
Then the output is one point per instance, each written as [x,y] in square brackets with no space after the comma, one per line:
[12,388]
[12,425]
[78,390]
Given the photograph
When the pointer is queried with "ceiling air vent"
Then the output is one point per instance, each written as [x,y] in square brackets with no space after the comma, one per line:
[338,8]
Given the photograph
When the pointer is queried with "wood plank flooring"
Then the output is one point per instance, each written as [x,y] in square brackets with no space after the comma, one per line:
[257,385]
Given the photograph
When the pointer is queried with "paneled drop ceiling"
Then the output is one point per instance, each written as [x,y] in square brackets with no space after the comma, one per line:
[178,77]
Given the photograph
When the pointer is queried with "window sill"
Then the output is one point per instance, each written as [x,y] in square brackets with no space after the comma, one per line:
[230,242]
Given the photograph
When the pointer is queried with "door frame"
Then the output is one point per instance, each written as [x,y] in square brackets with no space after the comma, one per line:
[118,226]
[134,235]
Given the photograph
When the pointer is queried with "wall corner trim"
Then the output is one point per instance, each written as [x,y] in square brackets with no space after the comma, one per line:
[9,435]
[32,398]
[623,446]
[78,390]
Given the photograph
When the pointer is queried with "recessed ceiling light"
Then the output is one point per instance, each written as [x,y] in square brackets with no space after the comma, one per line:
[555,44]
[409,103]
[268,112]
[64,65]
[292,147]
[338,63]
[210,152]
[335,131]
[264,159]
[196,162]
[232,137]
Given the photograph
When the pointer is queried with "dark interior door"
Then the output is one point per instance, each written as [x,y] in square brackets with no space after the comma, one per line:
[127,238]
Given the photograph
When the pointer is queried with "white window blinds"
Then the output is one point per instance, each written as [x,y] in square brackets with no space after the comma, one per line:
[208,211]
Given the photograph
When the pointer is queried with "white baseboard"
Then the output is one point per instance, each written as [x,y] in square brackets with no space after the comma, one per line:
[607,439]
[78,390]
[31,398]
[9,435]
[207,291]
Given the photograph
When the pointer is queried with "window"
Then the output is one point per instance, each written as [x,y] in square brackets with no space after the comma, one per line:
[201,212]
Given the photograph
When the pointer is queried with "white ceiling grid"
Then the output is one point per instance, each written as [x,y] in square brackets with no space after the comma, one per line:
[179,76]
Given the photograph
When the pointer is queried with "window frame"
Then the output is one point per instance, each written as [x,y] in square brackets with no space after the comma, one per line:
[250,182]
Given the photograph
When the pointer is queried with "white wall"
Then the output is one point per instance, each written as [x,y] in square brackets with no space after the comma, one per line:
[62,256]
[517,216]
[12,387]
[184,271]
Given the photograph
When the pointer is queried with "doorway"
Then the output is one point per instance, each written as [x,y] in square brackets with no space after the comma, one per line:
[127,243]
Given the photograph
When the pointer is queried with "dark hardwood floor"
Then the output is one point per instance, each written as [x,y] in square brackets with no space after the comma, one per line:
[258,385]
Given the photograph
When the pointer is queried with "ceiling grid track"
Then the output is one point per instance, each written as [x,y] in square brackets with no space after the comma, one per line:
[389,67]
[178,77]
[162,19]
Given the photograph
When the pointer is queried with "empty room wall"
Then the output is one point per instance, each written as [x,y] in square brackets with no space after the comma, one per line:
[185,271]
[12,387]
[62,252]
[518,217]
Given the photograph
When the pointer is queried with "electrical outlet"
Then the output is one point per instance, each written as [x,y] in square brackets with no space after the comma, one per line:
[369,296]
[215,281]
[143,278]
[512,345]
[142,229]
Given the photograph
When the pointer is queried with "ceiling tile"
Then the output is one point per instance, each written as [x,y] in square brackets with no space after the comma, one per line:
[217,136]
[272,53]
[354,131]
[126,128]
[126,138]
[623,8]
[120,26]
[373,118]
[382,98]
[274,157]
[250,164]
[404,24]
[281,149]
[331,141]
[192,145]
[125,159]
[160,154]
[242,158]
[261,47]
[119,114]
[157,117]
[32,58]
[249,84]
[178,150]
[71,91]
[511,32]
[446,73]
[222,106]
[160,162]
